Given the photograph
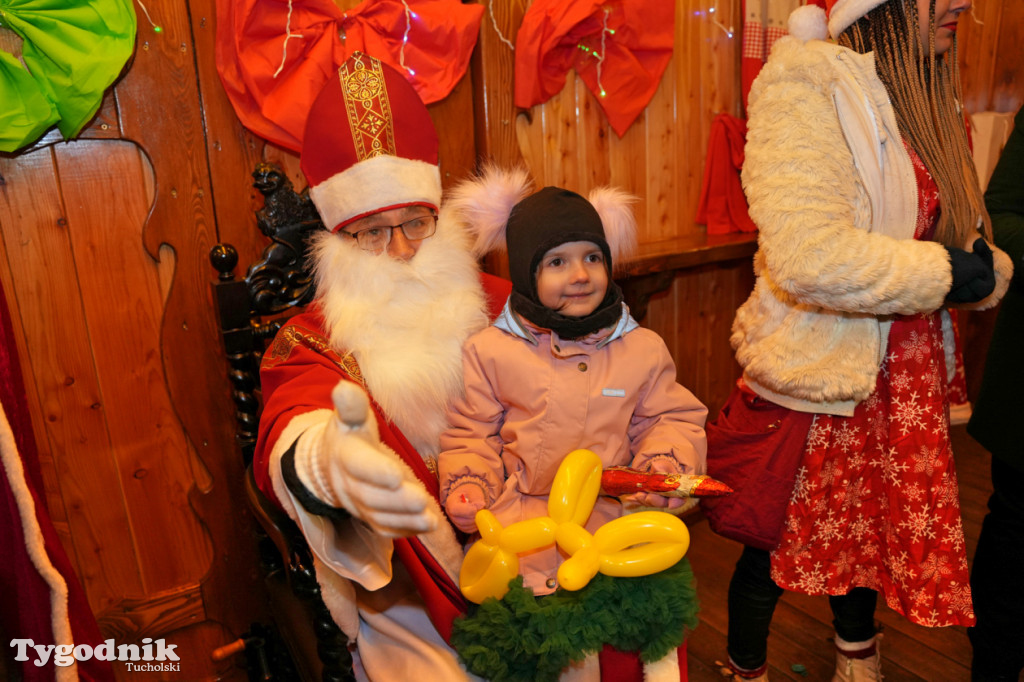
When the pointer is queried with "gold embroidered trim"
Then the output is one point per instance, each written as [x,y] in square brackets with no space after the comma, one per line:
[291,337]
[367,106]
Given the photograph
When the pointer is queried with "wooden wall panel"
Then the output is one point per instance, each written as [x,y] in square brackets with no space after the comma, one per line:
[990,56]
[497,131]
[1007,88]
[101,182]
[660,158]
[60,363]
[694,316]
[11,211]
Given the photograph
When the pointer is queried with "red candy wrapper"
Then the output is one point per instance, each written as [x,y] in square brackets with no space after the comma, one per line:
[618,481]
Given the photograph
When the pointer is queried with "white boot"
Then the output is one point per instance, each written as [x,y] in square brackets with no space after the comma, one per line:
[733,673]
[858,661]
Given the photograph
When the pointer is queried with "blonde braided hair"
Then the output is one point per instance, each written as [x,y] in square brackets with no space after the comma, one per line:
[925,94]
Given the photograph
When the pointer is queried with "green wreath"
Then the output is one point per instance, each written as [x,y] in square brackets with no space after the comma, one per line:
[73,51]
[523,638]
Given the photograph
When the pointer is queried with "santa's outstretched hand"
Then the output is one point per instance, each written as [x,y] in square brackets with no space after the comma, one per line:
[355,471]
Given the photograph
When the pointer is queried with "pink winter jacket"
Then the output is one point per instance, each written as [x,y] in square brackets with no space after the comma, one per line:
[532,398]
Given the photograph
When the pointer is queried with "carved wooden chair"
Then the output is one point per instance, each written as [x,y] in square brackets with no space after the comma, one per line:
[250,311]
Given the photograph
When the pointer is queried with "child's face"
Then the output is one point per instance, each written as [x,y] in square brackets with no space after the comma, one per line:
[572,278]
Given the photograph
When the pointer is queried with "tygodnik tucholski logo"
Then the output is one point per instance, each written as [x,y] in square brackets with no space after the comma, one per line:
[136,658]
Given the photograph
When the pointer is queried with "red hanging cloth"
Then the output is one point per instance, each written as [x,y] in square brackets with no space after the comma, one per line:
[634,37]
[274,56]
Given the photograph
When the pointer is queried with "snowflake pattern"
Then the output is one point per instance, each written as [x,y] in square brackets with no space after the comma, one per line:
[900,569]
[828,529]
[917,524]
[846,437]
[820,431]
[927,460]
[935,566]
[914,492]
[954,534]
[800,487]
[844,563]
[891,467]
[876,502]
[829,470]
[812,581]
[902,380]
[860,527]
[957,597]
[946,492]
[914,348]
[910,413]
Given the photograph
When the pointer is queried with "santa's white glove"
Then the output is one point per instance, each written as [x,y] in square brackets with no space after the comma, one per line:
[349,467]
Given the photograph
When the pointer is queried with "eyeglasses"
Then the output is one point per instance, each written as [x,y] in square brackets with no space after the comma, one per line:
[377,238]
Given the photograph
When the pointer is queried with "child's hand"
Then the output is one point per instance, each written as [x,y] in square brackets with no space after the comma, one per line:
[660,464]
[659,501]
[462,504]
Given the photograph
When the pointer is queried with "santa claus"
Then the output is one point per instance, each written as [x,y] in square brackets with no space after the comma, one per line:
[356,388]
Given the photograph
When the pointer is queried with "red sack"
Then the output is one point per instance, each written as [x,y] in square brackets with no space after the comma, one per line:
[755,447]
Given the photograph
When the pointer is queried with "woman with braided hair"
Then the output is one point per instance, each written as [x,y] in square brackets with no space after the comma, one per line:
[871,222]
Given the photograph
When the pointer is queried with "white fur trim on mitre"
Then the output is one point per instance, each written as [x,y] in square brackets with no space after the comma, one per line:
[615,208]
[846,12]
[808,23]
[483,204]
[374,185]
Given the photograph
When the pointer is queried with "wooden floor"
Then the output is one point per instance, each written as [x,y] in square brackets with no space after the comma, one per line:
[802,630]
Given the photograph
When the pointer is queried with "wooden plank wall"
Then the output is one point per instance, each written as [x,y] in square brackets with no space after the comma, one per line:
[103,257]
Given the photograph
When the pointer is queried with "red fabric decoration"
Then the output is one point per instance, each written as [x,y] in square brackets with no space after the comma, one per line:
[300,41]
[637,49]
[28,612]
[723,206]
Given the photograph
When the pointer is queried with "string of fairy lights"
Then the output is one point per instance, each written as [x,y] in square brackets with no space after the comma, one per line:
[599,56]
[409,16]
[288,35]
[156,27]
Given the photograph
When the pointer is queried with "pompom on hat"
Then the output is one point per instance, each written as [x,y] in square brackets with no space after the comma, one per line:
[811,22]
[369,145]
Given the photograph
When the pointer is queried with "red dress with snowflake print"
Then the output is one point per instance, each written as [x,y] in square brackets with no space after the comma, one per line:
[875,502]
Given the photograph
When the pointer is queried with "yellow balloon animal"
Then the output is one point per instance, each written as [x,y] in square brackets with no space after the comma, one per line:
[633,545]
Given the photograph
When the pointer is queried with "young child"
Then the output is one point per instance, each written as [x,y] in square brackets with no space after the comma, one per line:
[563,367]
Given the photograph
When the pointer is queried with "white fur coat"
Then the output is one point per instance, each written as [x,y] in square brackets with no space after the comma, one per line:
[835,200]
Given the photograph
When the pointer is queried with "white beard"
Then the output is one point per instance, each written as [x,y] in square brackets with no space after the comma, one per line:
[405,323]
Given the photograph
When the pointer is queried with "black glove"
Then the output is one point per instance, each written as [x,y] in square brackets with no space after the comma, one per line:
[973,275]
